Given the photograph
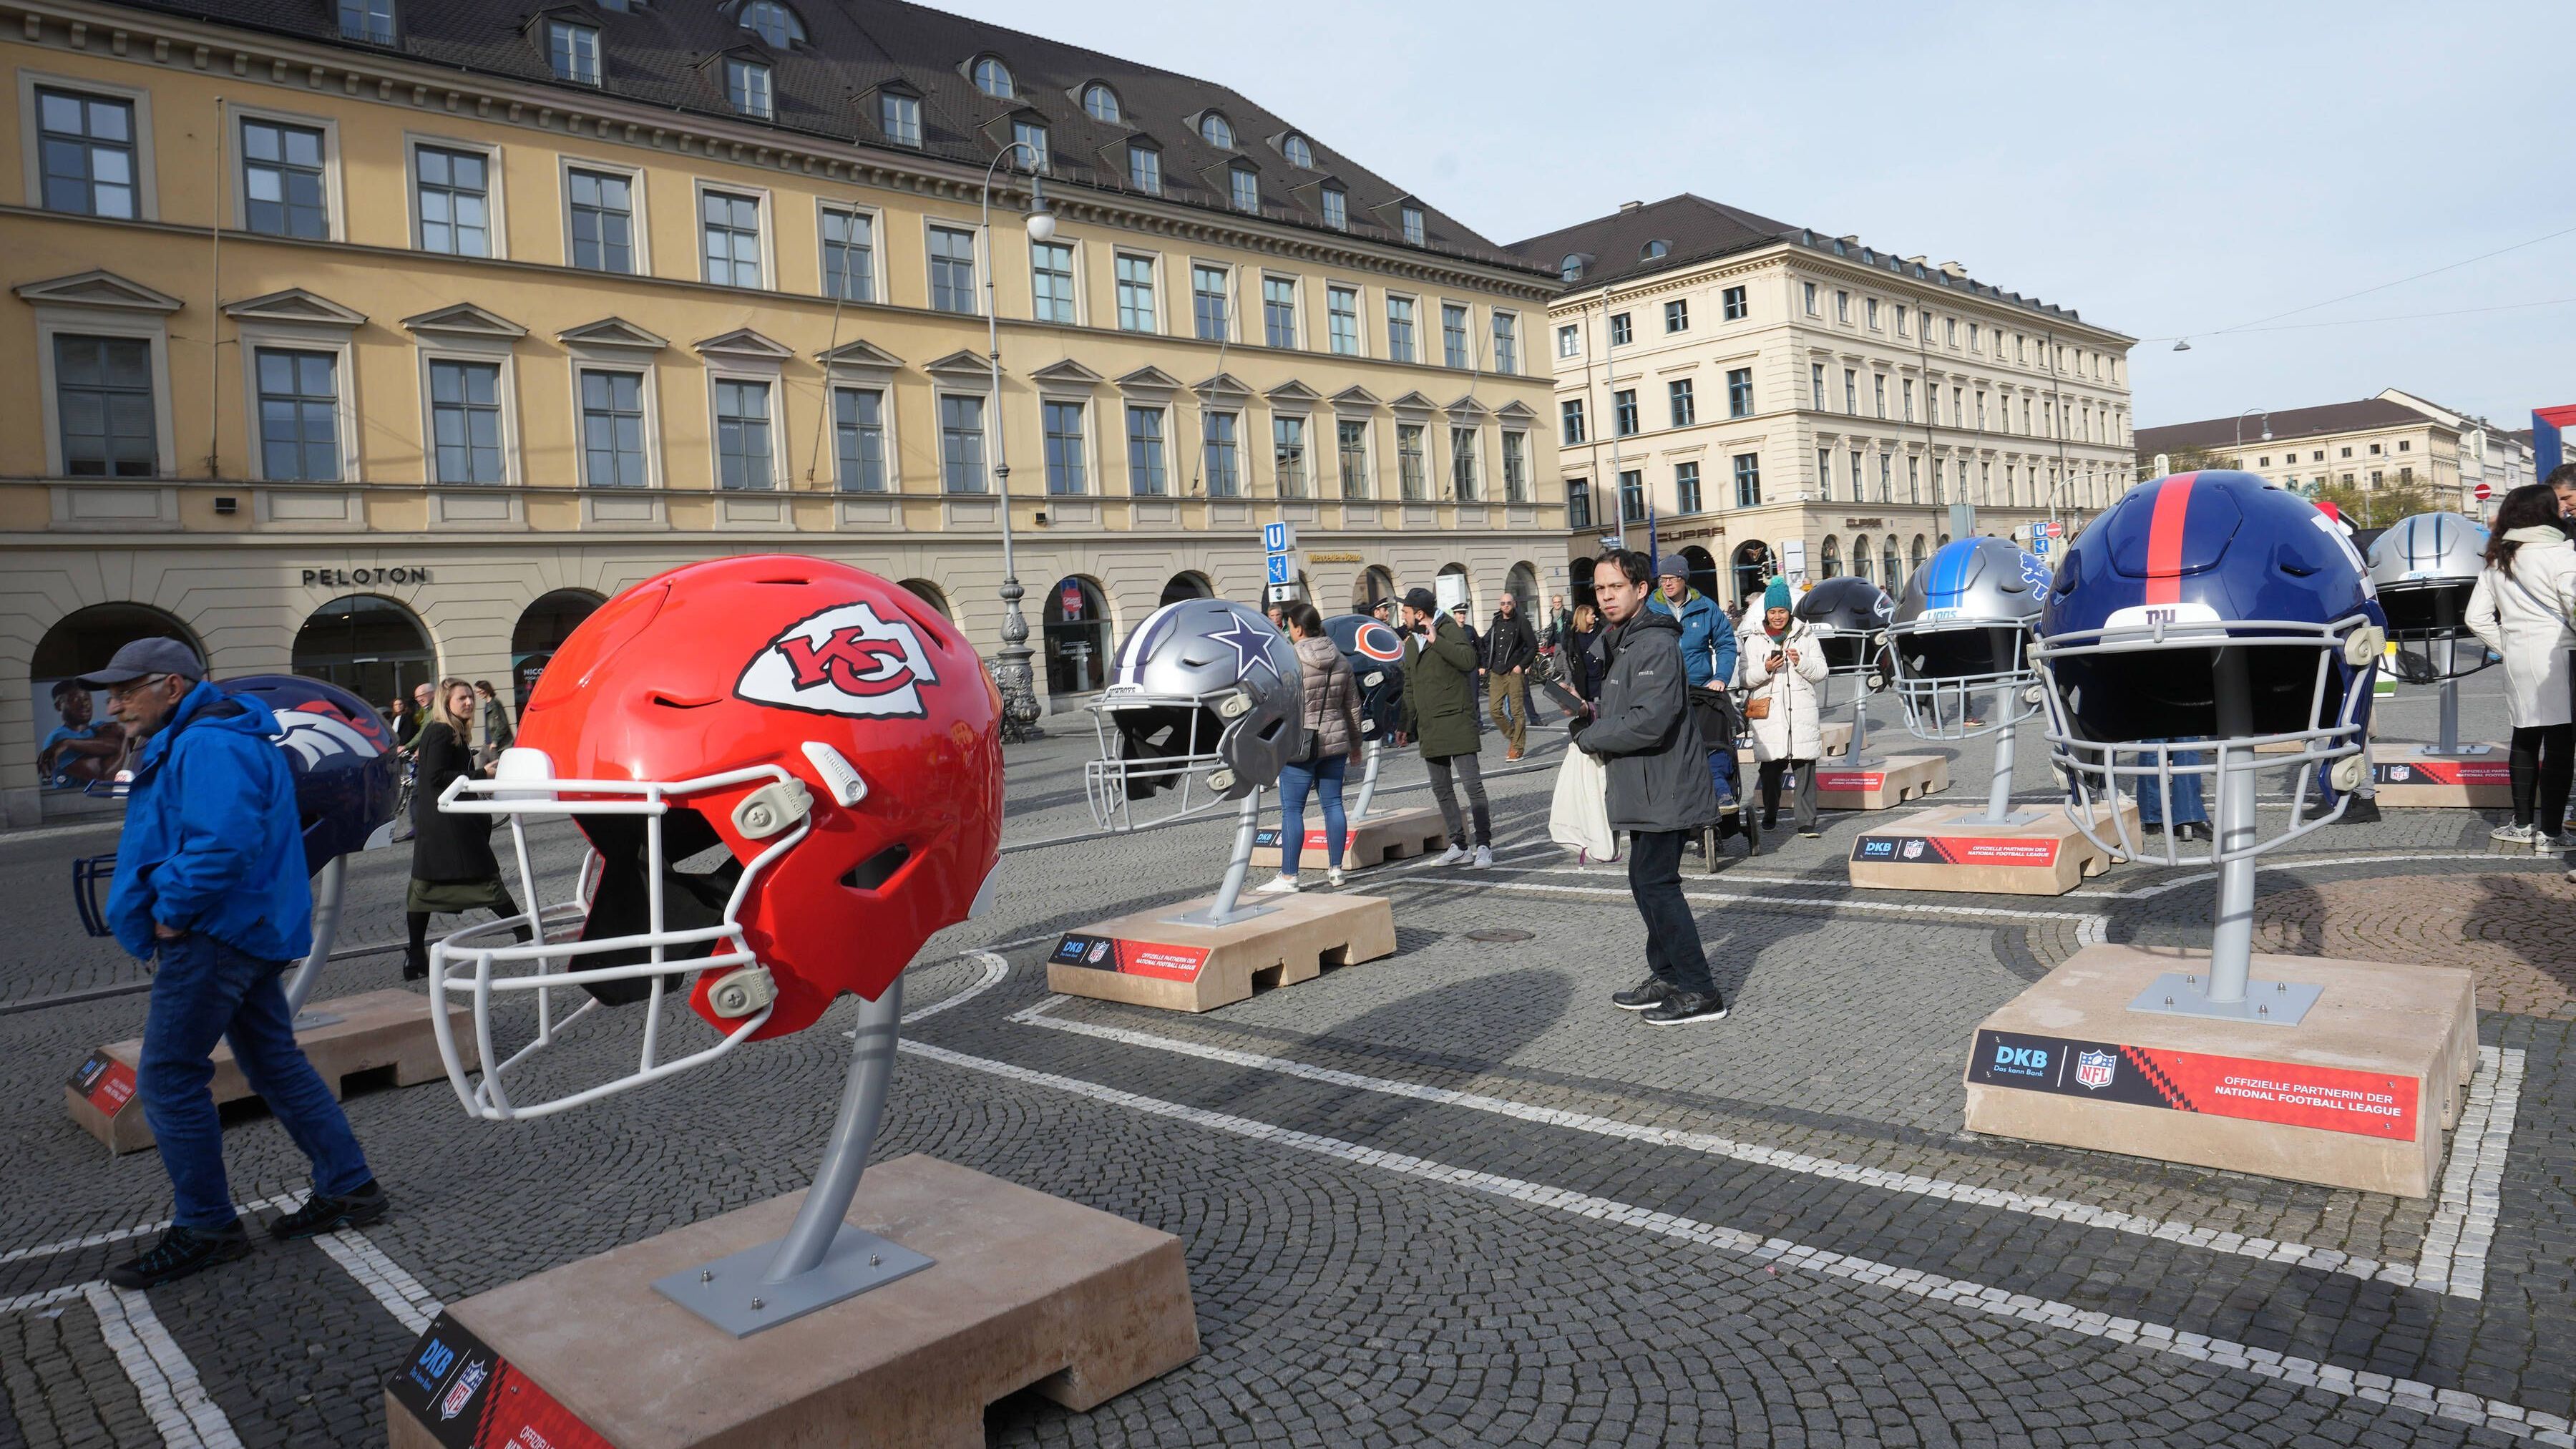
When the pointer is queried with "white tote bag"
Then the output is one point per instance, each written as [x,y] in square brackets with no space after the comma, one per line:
[1580,815]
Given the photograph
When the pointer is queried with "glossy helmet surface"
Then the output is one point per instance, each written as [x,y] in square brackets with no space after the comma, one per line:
[1962,632]
[1201,685]
[2425,567]
[2193,587]
[789,772]
[1847,615]
[1375,653]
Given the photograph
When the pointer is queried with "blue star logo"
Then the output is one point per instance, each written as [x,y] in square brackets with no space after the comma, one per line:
[1250,640]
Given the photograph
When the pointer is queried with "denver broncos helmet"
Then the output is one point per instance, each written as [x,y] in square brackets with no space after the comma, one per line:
[2425,567]
[1963,630]
[2206,615]
[1201,685]
[1375,653]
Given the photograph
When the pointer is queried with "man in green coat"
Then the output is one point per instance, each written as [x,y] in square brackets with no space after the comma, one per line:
[1440,714]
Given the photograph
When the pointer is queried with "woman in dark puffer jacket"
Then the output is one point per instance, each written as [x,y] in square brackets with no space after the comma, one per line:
[1333,741]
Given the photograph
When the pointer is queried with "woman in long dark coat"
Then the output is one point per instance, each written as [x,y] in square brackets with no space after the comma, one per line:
[452,869]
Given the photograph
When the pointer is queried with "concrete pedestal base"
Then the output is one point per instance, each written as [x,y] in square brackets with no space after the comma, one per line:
[1386,835]
[2406,777]
[1946,849]
[1149,960]
[374,1031]
[2356,1095]
[1025,1291]
[1837,735]
[1882,785]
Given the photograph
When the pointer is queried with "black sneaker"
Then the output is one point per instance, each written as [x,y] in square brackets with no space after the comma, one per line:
[1681,1006]
[1645,994]
[180,1252]
[323,1213]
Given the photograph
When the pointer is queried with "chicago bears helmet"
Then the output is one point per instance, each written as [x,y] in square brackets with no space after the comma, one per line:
[1963,631]
[789,773]
[2207,616]
[1376,656]
[1203,684]
[2425,567]
[1847,615]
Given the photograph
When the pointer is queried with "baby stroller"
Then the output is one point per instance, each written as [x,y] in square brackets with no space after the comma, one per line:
[1715,711]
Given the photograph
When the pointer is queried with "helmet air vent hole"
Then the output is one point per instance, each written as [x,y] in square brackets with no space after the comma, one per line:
[669,702]
[876,870]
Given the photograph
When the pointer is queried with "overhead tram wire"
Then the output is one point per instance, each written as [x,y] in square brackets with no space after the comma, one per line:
[2257,323]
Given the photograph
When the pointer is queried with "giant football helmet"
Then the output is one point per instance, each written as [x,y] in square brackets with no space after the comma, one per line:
[790,776]
[2206,615]
[1963,632]
[1847,615]
[2425,568]
[342,759]
[1375,653]
[1202,685]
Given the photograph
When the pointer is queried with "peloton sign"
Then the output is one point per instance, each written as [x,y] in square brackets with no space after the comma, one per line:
[362,578]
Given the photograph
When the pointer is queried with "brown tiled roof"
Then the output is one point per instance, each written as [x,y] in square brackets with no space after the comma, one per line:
[2288,425]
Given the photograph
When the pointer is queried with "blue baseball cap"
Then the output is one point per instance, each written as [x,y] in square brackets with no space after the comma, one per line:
[144,657]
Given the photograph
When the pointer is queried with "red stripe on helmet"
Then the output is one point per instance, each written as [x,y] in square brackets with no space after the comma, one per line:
[2164,540]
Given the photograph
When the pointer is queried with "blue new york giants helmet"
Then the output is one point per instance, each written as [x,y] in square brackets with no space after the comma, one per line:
[1963,632]
[2205,617]
[1375,653]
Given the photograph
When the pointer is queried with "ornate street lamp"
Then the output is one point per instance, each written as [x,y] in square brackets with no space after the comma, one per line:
[1011,672]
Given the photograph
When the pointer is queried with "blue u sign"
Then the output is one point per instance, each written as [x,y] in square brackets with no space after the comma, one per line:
[1274,538]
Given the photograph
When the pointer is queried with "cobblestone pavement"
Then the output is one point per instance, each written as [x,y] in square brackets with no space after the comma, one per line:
[1451,1196]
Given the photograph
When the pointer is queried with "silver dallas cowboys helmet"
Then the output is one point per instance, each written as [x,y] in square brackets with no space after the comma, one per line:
[2426,566]
[1963,630]
[1202,685]
[1847,615]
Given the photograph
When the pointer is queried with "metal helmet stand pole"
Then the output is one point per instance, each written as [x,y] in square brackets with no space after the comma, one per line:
[326,926]
[1368,780]
[1857,756]
[1223,911]
[822,1259]
[2447,742]
[1999,809]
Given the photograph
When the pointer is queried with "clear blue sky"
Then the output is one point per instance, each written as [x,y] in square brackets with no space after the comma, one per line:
[2164,169]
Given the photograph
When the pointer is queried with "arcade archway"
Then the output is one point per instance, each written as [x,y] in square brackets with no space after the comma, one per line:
[1749,567]
[542,630]
[1076,630]
[77,745]
[366,644]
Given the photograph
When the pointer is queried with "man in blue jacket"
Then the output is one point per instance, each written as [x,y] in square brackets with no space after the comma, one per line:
[210,878]
[1708,652]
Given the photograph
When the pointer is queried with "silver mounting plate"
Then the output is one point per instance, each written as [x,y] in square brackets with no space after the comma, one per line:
[729,1294]
[2266,1003]
[314,1020]
[2456,752]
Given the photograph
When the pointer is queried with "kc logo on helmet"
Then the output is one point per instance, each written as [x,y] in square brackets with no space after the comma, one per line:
[845,661]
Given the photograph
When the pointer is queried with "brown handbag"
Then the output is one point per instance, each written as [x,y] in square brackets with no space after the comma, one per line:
[1758,708]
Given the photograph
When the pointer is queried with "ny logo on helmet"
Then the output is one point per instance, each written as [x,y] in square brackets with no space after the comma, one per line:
[844,661]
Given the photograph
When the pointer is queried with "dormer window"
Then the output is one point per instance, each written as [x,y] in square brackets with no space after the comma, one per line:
[992,78]
[747,88]
[1100,103]
[1337,208]
[773,22]
[1245,184]
[1216,131]
[1569,268]
[1031,135]
[573,51]
[1412,219]
[899,116]
[1299,154]
[1654,250]
[1145,169]
[370,21]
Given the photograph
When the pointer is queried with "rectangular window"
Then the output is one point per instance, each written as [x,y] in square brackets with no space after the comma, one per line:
[849,255]
[1411,217]
[1620,330]
[1623,412]
[1886,478]
[1453,335]
[1032,136]
[1207,301]
[1856,485]
[1462,464]
[1572,411]
[1676,315]
[1842,305]
[1145,169]
[1145,476]
[612,428]
[858,438]
[1739,392]
[282,180]
[1950,331]
[1337,208]
[299,416]
[730,230]
[1851,391]
[1342,317]
[1507,344]
[88,149]
[952,270]
[1686,497]
[465,421]
[455,201]
[1065,473]
[1810,293]
[1051,281]
[1288,455]
[747,88]
[1981,409]
[961,443]
[1878,391]
[1578,503]
[1412,467]
[1816,385]
[1748,480]
[1632,496]
[1871,314]
[1825,474]
[1913,479]
[1243,188]
[1222,455]
[1516,467]
[900,118]
[1279,311]
[1973,331]
[103,399]
[743,451]
[573,50]
[1900,321]
[1732,302]
[1566,343]
[1907,386]
[1399,328]
[1685,406]
[1351,444]
[370,22]
[1135,293]
[603,222]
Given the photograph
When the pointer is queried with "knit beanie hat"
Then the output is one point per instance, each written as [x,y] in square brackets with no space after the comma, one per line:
[1777,595]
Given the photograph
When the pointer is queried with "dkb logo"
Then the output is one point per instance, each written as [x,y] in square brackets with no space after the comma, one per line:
[2021,1059]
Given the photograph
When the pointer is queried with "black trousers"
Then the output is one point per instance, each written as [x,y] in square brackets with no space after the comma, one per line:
[2542,768]
[1802,799]
[1673,949]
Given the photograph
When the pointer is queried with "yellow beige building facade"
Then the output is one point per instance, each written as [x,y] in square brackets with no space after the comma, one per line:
[335,359]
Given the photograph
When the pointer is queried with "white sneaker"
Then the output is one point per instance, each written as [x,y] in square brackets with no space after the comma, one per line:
[1452,855]
[2514,834]
[1333,876]
[1484,858]
[2543,843]
[1278,885]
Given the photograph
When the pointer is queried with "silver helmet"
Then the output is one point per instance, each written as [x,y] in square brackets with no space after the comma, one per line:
[1964,631]
[1375,653]
[1202,685]
[1847,615]
[2426,566]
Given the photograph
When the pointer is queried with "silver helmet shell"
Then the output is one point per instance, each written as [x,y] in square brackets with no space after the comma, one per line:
[1203,685]
[1375,653]
[1963,631]
[2426,566]
[1847,615]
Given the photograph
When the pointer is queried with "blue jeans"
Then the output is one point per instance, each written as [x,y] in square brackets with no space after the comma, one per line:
[205,991]
[1721,773]
[1324,777]
[2188,809]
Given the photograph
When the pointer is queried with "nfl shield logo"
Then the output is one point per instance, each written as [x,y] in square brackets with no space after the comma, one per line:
[2094,1069]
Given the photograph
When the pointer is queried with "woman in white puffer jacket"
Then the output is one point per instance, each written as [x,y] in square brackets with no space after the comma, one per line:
[2524,608]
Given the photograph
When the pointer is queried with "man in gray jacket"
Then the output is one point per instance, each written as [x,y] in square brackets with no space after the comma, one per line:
[1658,783]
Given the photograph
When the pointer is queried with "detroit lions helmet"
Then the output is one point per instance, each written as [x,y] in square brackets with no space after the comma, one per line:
[1202,685]
[1963,632]
[1847,615]
[1376,656]
[2425,567]
[2204,618]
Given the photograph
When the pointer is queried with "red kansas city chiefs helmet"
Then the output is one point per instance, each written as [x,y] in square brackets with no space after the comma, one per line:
[789,775]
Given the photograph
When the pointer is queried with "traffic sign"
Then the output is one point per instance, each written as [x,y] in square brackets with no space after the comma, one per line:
[2484,493]
[2056,529]
[2039,545]
[1279,571]
[1278,537]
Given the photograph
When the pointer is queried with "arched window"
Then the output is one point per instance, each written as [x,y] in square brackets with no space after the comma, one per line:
[1100,103]
[929,593]
[1522,584]
[1373,584]
[368,645]
[77,745]
[1860,556]
[1216,130]
[1462,591]
[1654,249]
[1077,637]
[1703,569]
[1914,557]
[1186,585]
[1892,577]
[542,630]
[1832,566]
[773,22]
[1299,154]
[992,77]
[1749,558]
[1569,267]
